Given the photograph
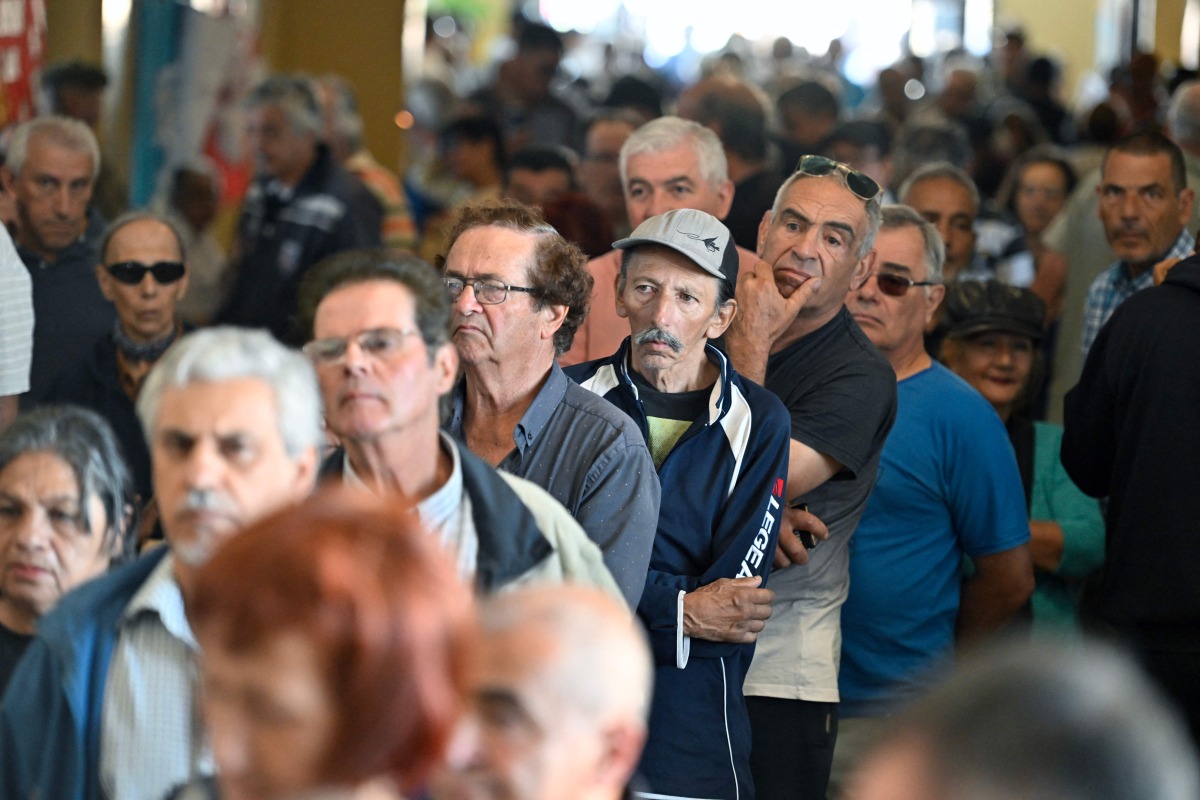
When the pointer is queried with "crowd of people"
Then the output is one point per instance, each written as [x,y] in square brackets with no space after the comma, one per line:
[607,452]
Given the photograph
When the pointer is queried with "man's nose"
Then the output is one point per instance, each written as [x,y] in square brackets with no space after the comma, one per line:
[467,301]
[32,531]
[204,466]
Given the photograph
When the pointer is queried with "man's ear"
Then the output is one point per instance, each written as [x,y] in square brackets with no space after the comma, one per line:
[724,198]
[863,269]
[8,179]
[620,750]
[764,225]
[722,319]
[445,362]
[621,310]
[936,293]
[552,317]
[1186,199]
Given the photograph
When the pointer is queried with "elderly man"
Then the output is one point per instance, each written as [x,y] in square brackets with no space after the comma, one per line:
[561,692]
[666,164]
[514,407]
[50,168]
[1145,205]
[103,703]
[142,274]
[798,339]
[598,172]
[947,197]
[948,487]
[381,346]
[720,445]
[301,208]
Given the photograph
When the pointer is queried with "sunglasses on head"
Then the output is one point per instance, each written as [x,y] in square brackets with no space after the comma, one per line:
[820,166]
[894,285]
[134,272]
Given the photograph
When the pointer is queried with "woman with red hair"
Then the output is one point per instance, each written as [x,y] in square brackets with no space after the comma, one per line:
[335,639]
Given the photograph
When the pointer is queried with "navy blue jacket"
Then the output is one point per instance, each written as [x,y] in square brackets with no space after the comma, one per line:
[722,491]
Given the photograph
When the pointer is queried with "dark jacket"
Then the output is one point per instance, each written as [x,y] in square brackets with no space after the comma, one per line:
[1131,433]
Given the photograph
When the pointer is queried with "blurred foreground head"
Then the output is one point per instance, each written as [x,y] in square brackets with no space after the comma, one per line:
[336,640]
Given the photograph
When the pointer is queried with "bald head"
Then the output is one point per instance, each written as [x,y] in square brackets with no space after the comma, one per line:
[561,692]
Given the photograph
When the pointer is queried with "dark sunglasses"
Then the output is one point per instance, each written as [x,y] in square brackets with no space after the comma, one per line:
[857,182]
[134,272]
[897,285]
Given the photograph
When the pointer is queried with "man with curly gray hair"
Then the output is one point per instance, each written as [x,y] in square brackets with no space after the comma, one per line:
[519,290]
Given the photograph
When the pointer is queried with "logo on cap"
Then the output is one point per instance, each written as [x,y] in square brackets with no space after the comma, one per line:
[710,244]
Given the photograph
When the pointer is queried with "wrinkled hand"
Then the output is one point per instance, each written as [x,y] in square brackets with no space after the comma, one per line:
[763,313]
[789,550]
[727,610]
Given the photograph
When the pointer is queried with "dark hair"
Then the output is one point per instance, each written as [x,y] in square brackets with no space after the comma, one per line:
[630,91]
[812,97]
[1042,154]
[431,303]
[1152,143]
[739,115]
[130,217]
[541,159]
[558,270]
[72,75]
[536,36]
[475,128]
[85,442]
[389,622]
[862,133]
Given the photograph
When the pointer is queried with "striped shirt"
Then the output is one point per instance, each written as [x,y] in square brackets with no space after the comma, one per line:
[16,320]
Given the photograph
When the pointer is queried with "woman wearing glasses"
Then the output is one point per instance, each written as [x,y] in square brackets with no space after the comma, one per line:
[992,343]
[144,277]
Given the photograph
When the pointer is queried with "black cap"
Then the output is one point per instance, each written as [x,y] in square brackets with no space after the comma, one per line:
[973,307]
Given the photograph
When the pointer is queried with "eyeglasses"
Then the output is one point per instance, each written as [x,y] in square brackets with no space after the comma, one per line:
[894,285]
[859,183]
[487,292]
[134,272]
[379,343]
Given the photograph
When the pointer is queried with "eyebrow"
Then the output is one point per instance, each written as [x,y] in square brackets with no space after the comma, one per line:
[894,267]
[677,179]
[830,223]
[486,276]
[1155,185]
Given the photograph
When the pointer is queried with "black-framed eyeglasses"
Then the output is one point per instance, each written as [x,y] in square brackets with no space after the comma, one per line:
[858,182]
[894,285]
[133,272]
[487,292]
[380,343]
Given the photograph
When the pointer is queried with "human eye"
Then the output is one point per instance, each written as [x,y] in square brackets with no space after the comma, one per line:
[490,291]
[176,444]
[1022,346]
[454,286]
[64,517]
[684,297]
[325,351]
[379,342]
[238,448]
[10,509]
[636,192]
[792,226]
[680,189]
[835,238]
[1153,193]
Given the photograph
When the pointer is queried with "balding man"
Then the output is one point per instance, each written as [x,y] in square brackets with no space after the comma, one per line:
[560,695]
[50,171]
[668,163]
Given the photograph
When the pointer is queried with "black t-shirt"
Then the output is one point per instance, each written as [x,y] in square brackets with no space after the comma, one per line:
[12,647]
[841,394]
[669,414]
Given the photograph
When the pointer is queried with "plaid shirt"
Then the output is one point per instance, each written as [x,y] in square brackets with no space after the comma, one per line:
[1115,285]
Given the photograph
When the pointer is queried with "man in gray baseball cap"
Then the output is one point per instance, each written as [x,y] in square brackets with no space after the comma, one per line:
[720,445]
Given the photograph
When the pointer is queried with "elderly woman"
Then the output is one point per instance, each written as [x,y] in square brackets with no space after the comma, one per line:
[65,502]
[335,646]
[992,344]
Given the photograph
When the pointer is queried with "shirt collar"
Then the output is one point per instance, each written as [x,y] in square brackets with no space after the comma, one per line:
[533,421]
[160,595]
[1181,248]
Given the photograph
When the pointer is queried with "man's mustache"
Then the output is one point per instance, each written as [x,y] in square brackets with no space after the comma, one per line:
[651,335]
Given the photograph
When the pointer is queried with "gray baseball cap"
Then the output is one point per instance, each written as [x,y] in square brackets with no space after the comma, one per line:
[698,235]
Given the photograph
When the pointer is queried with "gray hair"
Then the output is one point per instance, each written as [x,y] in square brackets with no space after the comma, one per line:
[941,170]
[60,131]
[294,94]
[871,207]
[667,133]
[227,353]
[343,110]
[896,217]
[1042,721]
[85,442]
[1183,115]
[130,217]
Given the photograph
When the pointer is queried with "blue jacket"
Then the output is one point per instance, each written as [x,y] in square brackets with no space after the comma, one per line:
[50,716]
[722,490]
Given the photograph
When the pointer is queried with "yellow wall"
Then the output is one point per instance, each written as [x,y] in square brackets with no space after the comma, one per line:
[1063,28]
[73,30]
[1168,24]
[358,39]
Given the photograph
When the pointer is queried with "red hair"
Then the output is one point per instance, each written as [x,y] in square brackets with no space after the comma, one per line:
[379,601]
